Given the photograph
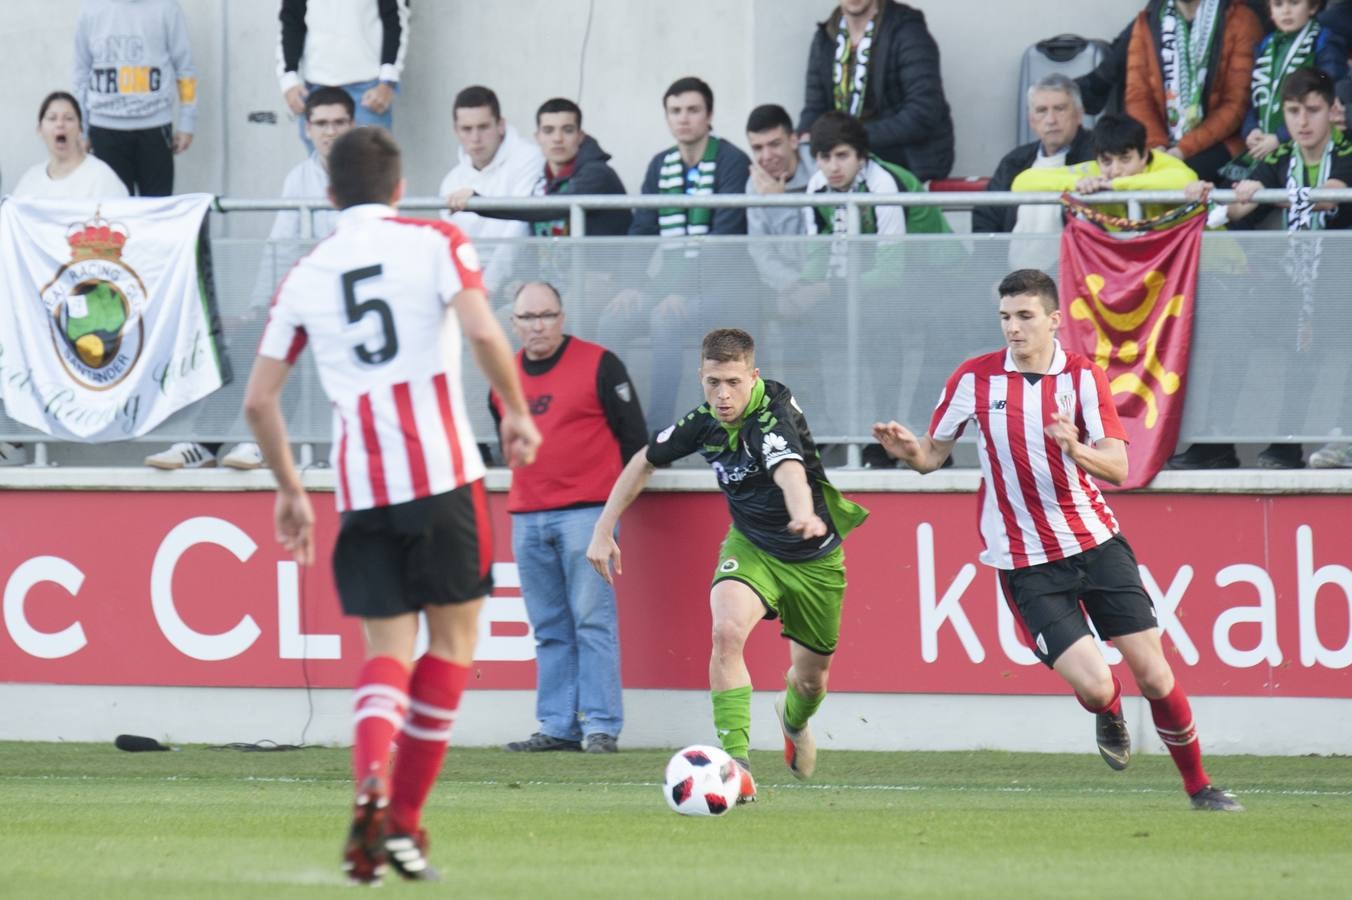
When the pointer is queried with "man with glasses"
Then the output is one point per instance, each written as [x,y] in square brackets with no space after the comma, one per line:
[329,113]
[588,413]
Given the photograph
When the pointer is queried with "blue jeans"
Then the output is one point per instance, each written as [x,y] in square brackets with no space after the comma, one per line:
[363,116]
[572,610]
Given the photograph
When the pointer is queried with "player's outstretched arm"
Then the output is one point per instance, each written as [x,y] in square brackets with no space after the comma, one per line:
[492,353]
[293,516]
[1106,460]
[924,454]
[603,551]
[803,519]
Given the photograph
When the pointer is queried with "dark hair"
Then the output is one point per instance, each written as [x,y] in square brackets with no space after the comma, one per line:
[729,345]
[559,105]
[60,95]
[767,117]
[541,283]
[329,96]
[1318,7]
[688,84]
[364,167]
[1117,133]
[1031,281]
[474,96]
[834,128]
[1302,82]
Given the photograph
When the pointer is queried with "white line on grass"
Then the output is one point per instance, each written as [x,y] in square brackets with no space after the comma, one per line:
[789,785]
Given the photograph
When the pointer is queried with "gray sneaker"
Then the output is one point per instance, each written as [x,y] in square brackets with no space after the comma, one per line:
[1216,799]
[1332,456]
[540,743]
[600,742]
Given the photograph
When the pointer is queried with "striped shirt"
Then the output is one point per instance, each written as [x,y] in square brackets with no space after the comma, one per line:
[1036,504]
[372,301]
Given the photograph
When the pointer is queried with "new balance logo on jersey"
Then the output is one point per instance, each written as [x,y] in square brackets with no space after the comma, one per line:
[998,404]
[540,405]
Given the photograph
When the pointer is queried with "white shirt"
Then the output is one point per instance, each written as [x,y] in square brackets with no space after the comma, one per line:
[308,180]
[372,301]
[92,179]
[343,41]
[512,172]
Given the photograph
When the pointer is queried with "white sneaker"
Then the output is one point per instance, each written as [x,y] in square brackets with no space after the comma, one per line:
[13,454]
[183,455]
[1332,456]
[245,456]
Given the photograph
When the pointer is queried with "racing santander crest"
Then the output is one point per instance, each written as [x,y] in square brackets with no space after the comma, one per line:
[94,307]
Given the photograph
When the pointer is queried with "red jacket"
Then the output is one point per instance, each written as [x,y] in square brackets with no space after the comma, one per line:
[1227,90]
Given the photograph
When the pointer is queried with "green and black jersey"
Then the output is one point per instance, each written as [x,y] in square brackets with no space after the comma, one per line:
[743,457]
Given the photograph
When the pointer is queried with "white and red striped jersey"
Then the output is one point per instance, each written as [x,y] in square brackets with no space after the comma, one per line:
[1036,504]
[372,302]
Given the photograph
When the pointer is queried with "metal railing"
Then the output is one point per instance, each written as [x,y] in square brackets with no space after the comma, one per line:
[899,339]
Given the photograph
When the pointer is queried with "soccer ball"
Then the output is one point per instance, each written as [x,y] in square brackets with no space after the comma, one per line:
[701,781]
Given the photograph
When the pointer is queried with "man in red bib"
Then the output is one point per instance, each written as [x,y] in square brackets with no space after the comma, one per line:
[585,405]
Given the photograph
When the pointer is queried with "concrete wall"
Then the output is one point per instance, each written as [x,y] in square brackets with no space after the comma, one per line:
[751,51]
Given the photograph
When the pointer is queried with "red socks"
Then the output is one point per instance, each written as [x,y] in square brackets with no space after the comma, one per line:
[379,705]
[434,692]
[1113,706]
[1173,721]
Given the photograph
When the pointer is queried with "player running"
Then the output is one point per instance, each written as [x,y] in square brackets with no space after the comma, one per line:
[373,301]
[1046,424]
[782,557]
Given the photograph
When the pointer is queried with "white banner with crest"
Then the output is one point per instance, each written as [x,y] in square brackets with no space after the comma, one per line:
[107,314]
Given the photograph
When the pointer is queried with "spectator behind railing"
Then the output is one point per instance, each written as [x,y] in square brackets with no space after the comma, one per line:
[329,112]
[68,173]
[132,61]
[1297,42]
[876,60]
[1337,18]
[699,163]
[1317,156]
[356,45]
[495,161]
[1122,162]
[1056,115]
[1188,69]
[574,164]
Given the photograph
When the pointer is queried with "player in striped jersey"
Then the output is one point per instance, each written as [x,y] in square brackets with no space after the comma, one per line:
[373,301]
[1046,428]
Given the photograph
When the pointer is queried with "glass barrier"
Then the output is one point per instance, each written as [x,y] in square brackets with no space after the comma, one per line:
[861,328]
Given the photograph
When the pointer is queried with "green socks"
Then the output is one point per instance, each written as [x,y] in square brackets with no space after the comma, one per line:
[732,720]
[797,708]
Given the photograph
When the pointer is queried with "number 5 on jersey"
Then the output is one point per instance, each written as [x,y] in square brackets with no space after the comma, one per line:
[357,311]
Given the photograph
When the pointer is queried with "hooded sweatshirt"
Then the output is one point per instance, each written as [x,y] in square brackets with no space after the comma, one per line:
[590,173]
[132,61]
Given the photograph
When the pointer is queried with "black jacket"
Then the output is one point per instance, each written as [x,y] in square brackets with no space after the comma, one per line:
[592,174]
[989,219]
[905,112]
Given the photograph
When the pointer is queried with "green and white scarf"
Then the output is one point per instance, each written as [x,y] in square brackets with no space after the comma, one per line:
[1301,261]
[835,219]
[1268,75]
[671,179]
[1185,50]
[849,76]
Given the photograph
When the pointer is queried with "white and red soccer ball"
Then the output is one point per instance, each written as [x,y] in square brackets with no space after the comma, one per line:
[701,781]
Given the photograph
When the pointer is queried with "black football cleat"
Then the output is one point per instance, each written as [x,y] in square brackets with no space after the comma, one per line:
[408,856]
[1114,741]
[1214,799]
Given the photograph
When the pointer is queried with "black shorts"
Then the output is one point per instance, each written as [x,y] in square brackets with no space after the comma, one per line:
[1051,600]
[397,559]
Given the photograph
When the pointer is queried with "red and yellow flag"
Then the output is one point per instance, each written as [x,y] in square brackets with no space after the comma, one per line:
[1127,304]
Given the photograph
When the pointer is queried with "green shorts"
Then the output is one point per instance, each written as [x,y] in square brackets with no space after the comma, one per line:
[805,596]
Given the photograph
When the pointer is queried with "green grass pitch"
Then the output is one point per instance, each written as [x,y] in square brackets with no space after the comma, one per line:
[85,820]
